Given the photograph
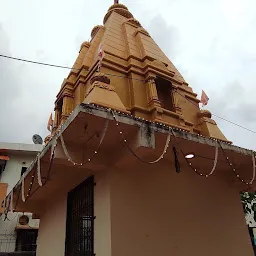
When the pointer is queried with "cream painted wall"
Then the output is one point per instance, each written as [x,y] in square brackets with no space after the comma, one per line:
[155,211]
[102,224]
[52,232]
[152,210]
[53,222]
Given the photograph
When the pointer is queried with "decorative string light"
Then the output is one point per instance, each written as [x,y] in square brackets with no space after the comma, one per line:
[33,175]
[190,164]
[168,139]
[93,155]
[11,202]
[39,179]
[54,144]
[8,202]
[253,166]
[4,204]
[23,189]
[58,134]
[30,186]
[53,148]
[214,164]
[234,169]
[49,170]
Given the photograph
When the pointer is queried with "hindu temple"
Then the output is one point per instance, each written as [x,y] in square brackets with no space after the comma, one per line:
[133,166]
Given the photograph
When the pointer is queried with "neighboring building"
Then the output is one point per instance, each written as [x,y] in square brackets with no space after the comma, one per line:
[252,232]
[249,217]
[95,185]
[15,233]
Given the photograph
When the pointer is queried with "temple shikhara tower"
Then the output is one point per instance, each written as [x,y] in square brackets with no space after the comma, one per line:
[142,81]
[133,166]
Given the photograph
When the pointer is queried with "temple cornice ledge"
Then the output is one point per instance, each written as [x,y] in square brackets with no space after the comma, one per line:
[120,9]
[95,30]
[100,77]
[134,22]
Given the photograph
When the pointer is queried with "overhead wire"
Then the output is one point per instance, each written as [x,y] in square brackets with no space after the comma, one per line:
[64,67]
[120,76]
[36,62]
[224,119]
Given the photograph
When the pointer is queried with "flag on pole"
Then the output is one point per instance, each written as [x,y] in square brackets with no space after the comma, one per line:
[50,123]
[100,56]
[204,98]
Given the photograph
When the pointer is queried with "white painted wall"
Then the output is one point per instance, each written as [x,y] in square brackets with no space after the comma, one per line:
[12,171]
[102,223]
[7,226]
[11,175]
[154,211]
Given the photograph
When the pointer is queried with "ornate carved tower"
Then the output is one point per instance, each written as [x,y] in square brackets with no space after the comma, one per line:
[135,77]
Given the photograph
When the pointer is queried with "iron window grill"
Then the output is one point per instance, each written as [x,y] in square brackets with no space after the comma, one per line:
[20,242]
[80,220]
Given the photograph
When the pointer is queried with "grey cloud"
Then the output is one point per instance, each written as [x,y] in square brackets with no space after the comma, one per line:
[211,53]
[28,93]
[166,36]
[233,103]
[9,91]
[4,42]
[221,70]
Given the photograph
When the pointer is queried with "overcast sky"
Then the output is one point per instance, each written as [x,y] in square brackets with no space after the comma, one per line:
[212,43]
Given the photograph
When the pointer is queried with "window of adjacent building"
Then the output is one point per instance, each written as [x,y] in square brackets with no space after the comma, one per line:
[2,166]
[164,93]
[26,240]
[23,170]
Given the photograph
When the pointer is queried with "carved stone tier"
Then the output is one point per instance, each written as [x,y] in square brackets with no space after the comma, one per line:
[99,77]
[102,93]
[120,9]
[131,57]
[208,127]
[95,30]
[85,44]
[153,100]
[134,22]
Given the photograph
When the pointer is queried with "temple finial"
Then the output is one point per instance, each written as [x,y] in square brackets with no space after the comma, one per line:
[116,1]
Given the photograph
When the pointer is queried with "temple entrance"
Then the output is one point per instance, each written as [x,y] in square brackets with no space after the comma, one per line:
[165,93]
[80,220]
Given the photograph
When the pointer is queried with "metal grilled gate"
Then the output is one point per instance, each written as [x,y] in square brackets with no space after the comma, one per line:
[80,220]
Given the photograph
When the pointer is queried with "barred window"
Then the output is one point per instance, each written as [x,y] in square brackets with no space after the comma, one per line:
[80,220]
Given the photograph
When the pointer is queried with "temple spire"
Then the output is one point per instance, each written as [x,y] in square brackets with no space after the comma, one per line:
[116,1]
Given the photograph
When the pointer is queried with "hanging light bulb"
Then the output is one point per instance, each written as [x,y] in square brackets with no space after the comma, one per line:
[190,156]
